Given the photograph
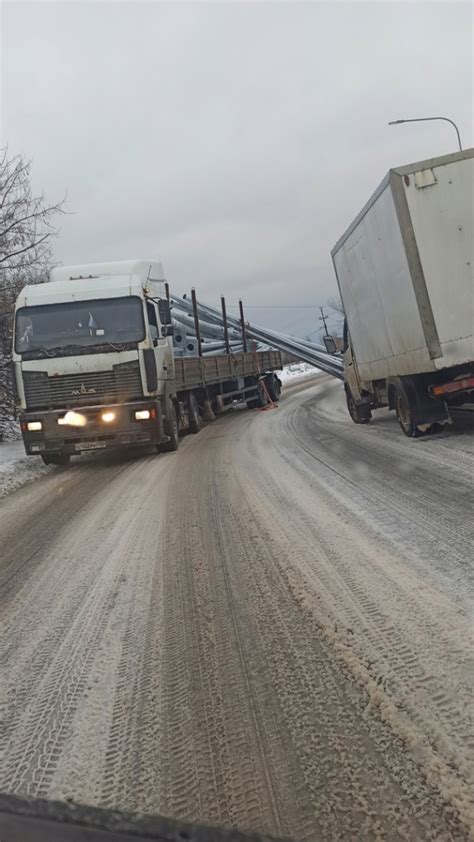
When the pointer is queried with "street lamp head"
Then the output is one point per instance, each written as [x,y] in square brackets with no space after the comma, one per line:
[429,119]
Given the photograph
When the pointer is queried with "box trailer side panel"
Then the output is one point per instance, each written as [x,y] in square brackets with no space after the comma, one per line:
[440,202]
[377,292]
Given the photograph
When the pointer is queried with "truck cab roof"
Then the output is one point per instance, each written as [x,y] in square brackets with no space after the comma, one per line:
[96,280]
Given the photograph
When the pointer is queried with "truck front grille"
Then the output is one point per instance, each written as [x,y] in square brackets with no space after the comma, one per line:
[121,384]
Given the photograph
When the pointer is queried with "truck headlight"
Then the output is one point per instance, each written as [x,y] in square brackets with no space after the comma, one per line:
[142,415]
[34,426]
[73,419]
[108,417]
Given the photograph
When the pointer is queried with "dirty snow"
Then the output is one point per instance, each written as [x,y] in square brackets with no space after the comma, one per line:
[297,371]
[16,468]
[319,612]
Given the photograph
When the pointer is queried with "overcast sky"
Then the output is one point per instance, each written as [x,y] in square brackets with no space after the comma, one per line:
[236,141]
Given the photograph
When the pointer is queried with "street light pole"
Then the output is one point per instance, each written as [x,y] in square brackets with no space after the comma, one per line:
[425,119]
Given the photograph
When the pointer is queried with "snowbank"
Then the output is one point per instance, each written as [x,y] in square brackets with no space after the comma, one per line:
[297,371]
[16,468]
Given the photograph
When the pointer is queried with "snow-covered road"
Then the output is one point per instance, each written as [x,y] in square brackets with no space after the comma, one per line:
[271,629]
[16,468]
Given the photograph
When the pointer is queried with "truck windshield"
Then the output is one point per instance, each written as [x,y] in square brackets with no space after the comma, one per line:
[79,324]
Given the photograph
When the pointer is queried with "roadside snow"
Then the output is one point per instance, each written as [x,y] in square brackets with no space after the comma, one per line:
[16,468]
[297,371]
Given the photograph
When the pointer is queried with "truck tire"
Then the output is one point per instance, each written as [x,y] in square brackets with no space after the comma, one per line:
[171,430]
[404,413]
[56,459]
[194,416]
[359,414]
[261,398]
[274,387]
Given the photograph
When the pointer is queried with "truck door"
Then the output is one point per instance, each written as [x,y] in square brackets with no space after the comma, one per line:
[351,376]
[152,322]
[161,334]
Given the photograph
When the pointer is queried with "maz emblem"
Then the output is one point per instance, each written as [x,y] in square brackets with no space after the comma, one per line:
[83,390]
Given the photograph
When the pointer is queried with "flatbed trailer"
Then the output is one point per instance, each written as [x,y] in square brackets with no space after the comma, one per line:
[196,372]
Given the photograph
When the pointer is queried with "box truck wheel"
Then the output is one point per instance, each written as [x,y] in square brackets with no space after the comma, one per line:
[171,430]
[56,458]
[194,416]
[405,413]
[359,414]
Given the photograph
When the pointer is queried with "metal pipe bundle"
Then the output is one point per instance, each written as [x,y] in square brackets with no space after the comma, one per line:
[308,352]
[210,320]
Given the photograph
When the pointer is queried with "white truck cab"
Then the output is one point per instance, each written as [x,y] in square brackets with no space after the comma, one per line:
[93,358]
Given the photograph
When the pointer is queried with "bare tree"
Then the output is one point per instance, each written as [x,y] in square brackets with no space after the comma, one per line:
[26,231]
[335,304]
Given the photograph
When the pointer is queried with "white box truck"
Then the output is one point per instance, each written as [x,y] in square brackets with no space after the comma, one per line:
[404,269]
[95,367]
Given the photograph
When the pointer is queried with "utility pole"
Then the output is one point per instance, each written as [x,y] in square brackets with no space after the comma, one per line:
[322,319]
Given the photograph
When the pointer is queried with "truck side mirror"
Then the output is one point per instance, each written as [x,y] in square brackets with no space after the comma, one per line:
[164,310]
[330,344]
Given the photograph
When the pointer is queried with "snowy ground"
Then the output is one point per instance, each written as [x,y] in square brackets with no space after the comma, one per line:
[16,468]
[297,371]
[269,629]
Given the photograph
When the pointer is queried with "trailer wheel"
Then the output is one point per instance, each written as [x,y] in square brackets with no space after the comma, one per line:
[195,420]
[273,383]
[261,398]
[254,402]
[171,430]
[56,459]
[359,414]
[404,414]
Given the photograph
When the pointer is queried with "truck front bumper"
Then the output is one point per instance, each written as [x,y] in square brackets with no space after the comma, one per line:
[92,428]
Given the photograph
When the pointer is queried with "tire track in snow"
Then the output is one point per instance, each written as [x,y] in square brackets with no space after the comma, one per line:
[236,634]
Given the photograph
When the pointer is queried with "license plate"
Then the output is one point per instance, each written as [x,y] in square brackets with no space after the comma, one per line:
[90,445]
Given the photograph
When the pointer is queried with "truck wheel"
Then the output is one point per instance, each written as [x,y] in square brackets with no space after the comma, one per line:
[359,414]
[274,387]
[261,398]
[171,430]
[56,459]
[405,415]
[195,420]
[256,400]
